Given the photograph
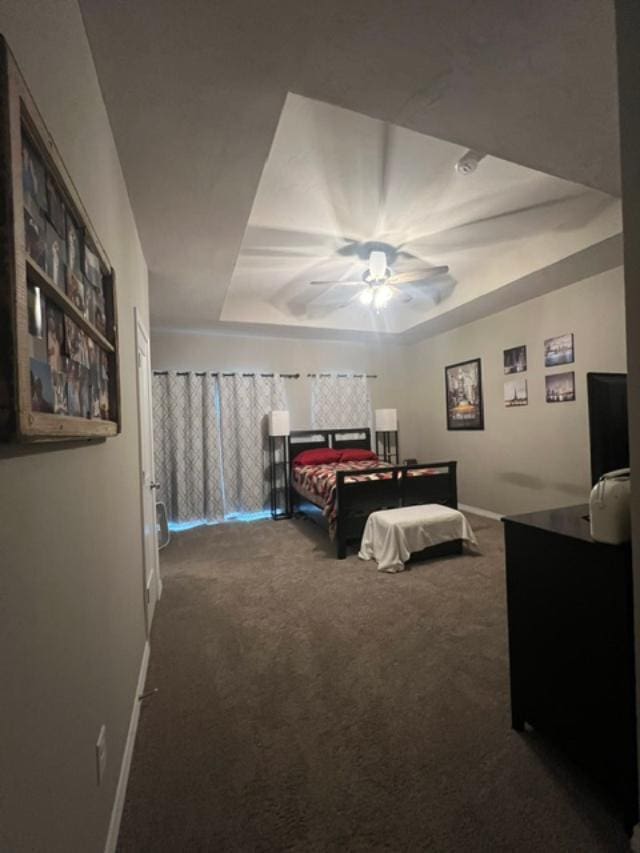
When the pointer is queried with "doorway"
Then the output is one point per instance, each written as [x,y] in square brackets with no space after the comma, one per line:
[151,577]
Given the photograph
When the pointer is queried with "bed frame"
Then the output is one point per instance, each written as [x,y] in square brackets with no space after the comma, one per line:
[356,501]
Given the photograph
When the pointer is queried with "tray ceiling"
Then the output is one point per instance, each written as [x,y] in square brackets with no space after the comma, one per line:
[335,176]
[195,93]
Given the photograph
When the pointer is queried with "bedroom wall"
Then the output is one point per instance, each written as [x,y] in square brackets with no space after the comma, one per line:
[193,351]
[72,627]
[535,456]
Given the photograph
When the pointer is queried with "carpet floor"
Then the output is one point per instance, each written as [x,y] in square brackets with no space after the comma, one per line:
[311,704]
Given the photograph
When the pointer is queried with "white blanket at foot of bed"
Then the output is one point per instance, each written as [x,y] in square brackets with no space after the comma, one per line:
[392,535]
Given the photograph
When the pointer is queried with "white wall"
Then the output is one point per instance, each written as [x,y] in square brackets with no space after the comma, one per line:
[193,351]
[535,456]
[72,627]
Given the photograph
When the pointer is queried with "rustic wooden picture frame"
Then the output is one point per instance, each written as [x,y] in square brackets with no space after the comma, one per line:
[20,119]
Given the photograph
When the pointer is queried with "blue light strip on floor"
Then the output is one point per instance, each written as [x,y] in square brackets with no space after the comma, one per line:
[179,526]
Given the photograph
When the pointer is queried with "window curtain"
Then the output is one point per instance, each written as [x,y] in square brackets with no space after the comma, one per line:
[340,402]
[245,402]
[187,446]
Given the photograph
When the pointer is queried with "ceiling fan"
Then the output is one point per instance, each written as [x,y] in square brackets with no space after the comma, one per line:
[379,283]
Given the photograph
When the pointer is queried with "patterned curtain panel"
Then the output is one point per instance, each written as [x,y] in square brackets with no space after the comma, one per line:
[187,446]
[245,402]
[339,402]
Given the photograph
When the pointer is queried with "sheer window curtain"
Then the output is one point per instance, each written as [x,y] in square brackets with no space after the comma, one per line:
[187,446]
[245,402]
[340,402]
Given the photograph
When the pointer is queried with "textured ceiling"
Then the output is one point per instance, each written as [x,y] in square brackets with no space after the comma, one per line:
[195,90]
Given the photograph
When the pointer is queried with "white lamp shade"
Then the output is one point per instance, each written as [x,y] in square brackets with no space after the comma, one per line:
[386,420]
[279,423]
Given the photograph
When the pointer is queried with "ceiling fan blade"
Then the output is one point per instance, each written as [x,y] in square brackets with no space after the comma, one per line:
[337,281]
[417,275]
[351,248]
[401,295]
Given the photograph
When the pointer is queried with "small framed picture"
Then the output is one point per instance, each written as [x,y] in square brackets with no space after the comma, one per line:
[76,291]
[59,380]
[104,400]
[99,317]
[55,257]
[84,391]
[94,378]
[90,304]
[41,386]
[560,387]
[73,389]
[55,208]
[515,360]
[55,338]
[559,350]
[75,342]
[84,349]
[515,392]
[74,249]
[34,236]
[92,269]
[463,382]
[33,180]
[35,311]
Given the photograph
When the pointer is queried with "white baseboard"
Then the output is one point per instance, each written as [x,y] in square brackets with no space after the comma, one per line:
[125,766]
[477,511]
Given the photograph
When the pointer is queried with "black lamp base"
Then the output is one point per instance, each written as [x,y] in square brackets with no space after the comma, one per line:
[279,477]
[390,451]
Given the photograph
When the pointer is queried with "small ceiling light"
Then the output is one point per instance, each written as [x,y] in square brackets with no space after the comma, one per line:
[377,265]
[382,295]
[468,163]
[366,296]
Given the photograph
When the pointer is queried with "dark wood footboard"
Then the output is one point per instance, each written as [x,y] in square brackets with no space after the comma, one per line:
[406,486]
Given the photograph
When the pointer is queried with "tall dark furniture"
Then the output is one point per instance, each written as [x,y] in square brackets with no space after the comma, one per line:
[279,462]
[571,646]
[279,478]
[608,422]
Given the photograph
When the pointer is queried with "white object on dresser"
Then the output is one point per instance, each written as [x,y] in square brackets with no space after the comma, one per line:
[609,508]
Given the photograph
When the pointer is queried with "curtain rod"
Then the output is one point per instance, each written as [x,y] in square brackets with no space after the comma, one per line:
[217,373]
[267,375]
[343,375]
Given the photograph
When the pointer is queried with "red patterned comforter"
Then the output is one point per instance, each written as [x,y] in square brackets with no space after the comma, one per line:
[317,483]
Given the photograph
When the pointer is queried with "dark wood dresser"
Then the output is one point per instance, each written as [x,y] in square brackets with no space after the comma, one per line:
[571,648]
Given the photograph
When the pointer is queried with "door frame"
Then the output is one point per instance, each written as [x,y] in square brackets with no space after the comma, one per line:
[142,333]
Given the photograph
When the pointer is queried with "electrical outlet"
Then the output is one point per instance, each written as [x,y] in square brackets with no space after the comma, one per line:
[101,754]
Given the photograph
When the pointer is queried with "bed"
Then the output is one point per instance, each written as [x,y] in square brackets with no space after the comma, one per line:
[340,496]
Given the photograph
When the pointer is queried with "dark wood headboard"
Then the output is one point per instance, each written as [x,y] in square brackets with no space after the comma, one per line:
[340,439]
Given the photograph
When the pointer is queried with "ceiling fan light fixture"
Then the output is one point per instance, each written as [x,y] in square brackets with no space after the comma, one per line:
[366,296]
[382,296]
[377,265]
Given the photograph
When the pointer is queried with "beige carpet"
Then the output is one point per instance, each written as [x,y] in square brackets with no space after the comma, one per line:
[311,704]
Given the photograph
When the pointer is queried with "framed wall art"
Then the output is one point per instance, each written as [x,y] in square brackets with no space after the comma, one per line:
[59,371]
[515,360]
[559,350]
[463,383]
[560,387]
[516,392]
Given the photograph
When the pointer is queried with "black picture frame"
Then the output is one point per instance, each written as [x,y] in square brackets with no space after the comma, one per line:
[465,414]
